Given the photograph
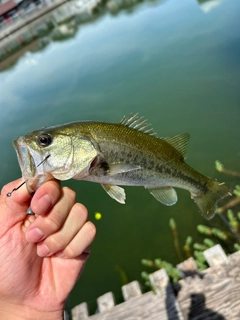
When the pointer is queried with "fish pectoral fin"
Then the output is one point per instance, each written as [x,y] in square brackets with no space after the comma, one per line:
[120,168]
[115,192]
[165,195]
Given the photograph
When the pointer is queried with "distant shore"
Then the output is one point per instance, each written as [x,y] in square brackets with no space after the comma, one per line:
[26,20]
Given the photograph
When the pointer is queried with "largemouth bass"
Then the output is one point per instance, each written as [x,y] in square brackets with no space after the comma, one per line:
[112,154]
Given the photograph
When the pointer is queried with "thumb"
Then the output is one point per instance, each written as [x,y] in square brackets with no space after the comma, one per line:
[14,200]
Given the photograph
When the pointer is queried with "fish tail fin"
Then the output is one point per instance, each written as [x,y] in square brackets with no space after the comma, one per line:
[207,202]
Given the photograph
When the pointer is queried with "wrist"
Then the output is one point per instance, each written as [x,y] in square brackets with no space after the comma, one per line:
[10,311]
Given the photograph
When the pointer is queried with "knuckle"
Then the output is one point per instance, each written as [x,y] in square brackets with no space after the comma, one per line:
[71,251]
[55,243]
[81,211]
[69,193]
[90,231]
[53,223]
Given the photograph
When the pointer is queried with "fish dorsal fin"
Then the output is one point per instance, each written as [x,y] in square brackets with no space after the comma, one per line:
[138,123]
[165,195]
[179,142]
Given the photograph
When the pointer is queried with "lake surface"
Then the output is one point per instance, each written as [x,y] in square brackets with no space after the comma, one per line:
[175,62]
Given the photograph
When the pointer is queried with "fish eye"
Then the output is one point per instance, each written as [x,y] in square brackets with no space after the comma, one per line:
[44,140]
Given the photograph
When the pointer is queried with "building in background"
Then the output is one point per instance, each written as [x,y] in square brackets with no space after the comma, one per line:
[12,10]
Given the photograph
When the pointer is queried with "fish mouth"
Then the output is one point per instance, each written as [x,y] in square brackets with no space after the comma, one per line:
[25,159]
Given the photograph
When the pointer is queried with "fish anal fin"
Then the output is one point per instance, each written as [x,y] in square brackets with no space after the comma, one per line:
[115,192]
[179,142]
[119,168]
[138,123]
[165,195]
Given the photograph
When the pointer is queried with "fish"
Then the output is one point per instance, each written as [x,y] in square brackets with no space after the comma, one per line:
[128,153]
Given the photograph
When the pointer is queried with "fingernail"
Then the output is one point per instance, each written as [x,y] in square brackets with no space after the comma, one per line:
[34,235]
[44,204]
[43,250]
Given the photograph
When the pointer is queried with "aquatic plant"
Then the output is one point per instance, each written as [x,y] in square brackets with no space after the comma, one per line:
[229,239]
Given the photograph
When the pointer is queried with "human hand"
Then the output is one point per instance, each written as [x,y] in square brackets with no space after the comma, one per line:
[41,256]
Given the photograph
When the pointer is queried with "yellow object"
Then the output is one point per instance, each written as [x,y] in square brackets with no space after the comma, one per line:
[98,215]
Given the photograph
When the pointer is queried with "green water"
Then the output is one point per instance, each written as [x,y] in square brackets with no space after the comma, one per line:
[168,60]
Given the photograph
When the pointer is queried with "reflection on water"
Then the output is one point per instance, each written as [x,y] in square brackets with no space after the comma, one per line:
[59,24]
[207,5]
[63,22]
